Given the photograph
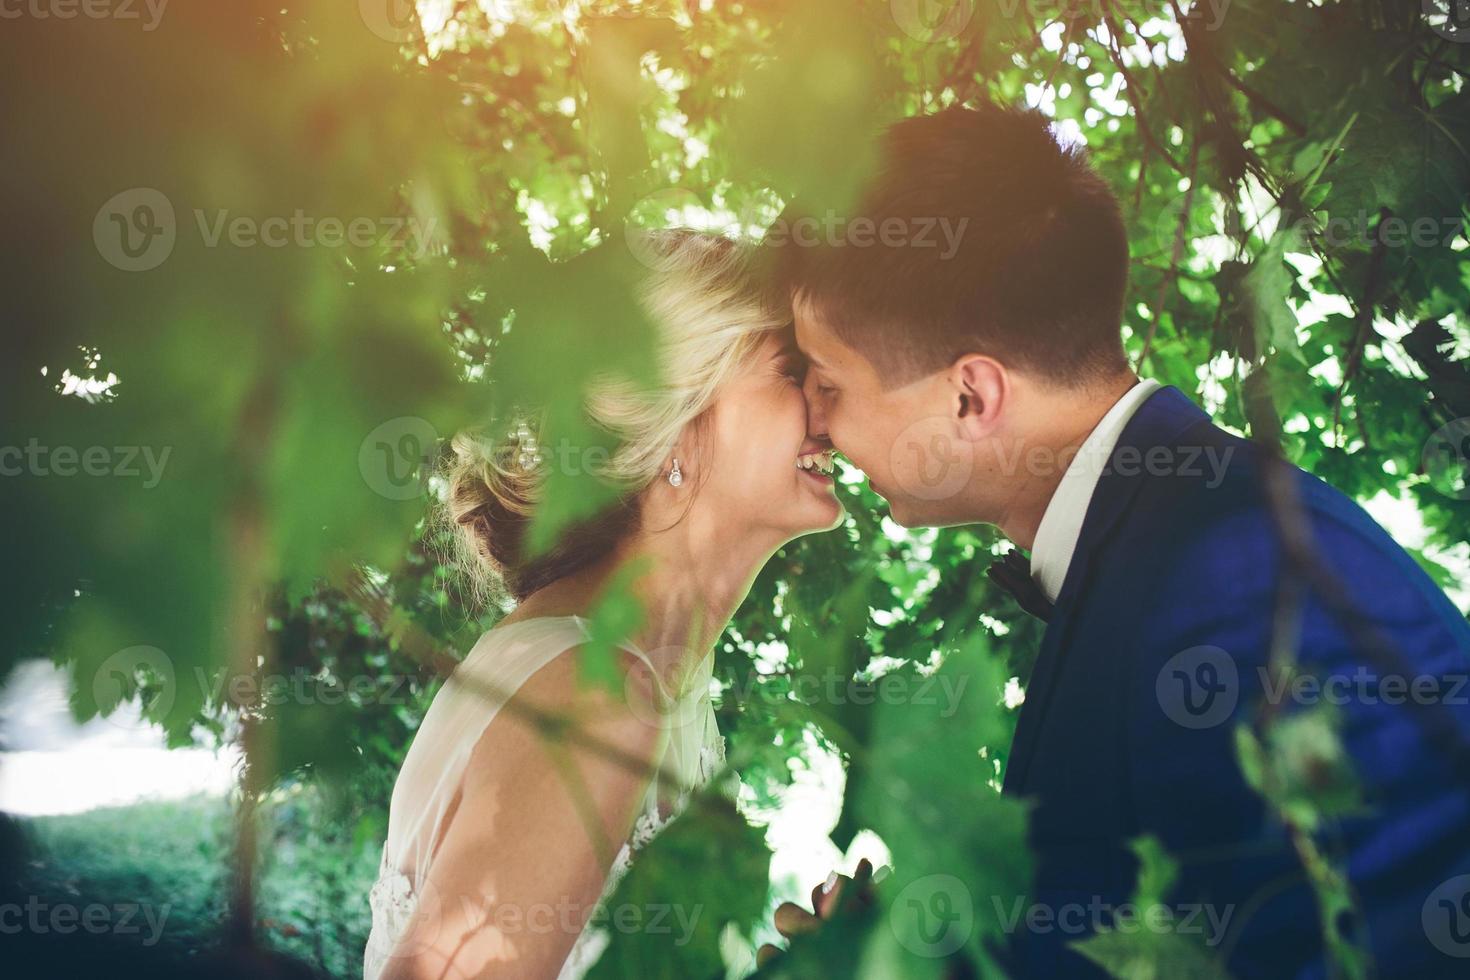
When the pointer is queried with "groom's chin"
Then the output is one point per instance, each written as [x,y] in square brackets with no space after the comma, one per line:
[902,513]
[911,515]
[902,510]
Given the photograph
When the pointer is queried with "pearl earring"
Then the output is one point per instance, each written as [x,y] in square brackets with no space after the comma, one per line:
[676,478]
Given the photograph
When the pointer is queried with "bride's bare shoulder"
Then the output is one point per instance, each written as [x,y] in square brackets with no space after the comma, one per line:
[560,706]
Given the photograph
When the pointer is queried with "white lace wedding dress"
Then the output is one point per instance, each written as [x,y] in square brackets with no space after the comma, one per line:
[503,660]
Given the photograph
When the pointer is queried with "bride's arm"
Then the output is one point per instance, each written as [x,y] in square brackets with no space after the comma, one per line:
[521,865]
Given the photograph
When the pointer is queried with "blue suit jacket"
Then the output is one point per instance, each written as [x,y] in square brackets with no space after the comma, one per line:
[1154,653]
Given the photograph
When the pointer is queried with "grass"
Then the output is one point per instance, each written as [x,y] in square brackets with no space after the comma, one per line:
[317,863]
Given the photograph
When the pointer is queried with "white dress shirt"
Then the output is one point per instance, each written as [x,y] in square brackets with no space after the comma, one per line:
[1061,524]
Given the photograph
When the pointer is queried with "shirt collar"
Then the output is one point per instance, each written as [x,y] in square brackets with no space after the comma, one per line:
[1061,523]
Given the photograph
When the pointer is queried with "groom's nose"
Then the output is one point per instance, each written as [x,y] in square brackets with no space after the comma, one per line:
[816,419]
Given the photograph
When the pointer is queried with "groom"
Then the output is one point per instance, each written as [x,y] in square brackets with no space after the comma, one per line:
[987,383]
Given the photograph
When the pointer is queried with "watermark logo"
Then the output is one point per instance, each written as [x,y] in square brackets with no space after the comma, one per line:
[929,461]
[1170,217]
[933,916]
[396,458]
[932,21]
[135,230]
[1446,917]
[120,674]
[406,935]
[395,21]
[672,709]
[1446,459]
[1198,687]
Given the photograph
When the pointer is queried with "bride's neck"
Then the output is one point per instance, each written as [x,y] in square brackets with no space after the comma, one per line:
[689,580]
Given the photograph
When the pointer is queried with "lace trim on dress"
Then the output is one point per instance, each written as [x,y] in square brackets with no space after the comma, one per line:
[594,939]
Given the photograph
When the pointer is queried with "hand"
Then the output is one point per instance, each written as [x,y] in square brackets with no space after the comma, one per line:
[792,920]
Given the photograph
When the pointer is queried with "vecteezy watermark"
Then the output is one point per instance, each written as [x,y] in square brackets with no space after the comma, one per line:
[931,461]
[1446,917]
[1208,464]
[651,918]
[680,207]
[1098,914]
[1446,459]
[1201,687]
[302,230]
[40,917]
[1208,15]
[147,12]
[124,462]
[396,458]
[1450,19]
[1198,687]
[937,690]
[832,230]
[151,674]
[933,916]
[300,687]
[1363,686]
[1393,231]
[1360,229]
[932,21]
[826,687]
[564,916]
[136,230]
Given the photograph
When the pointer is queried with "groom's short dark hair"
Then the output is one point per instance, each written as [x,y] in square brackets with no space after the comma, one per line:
[999,241]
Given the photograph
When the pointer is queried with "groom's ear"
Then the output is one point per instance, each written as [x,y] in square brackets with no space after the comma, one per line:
[980,386]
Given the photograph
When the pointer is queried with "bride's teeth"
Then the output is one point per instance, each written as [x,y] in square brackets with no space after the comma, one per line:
[821,462]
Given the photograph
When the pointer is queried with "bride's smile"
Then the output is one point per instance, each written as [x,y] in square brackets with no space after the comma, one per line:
[715,470]
[767,474]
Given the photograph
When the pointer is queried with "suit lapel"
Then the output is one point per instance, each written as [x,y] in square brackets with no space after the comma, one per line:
[1164,416]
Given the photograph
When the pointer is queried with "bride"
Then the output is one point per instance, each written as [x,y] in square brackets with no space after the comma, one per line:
[502,839]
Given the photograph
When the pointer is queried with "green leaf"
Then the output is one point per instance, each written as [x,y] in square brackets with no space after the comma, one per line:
[959,852]
[1267,285]
[665,918]
[1146,952]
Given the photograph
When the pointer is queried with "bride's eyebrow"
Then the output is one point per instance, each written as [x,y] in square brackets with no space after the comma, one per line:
[788,352]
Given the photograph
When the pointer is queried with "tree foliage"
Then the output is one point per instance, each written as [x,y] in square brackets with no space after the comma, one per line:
[1293,176]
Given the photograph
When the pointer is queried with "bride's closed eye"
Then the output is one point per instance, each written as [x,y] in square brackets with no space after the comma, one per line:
[791,365]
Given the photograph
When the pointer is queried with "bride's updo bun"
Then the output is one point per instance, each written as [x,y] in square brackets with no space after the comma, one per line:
[706,303]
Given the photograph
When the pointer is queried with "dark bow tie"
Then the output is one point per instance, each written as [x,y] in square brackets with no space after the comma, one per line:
[1013,573]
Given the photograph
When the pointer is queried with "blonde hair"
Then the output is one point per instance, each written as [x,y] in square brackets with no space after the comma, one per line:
[709,313]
